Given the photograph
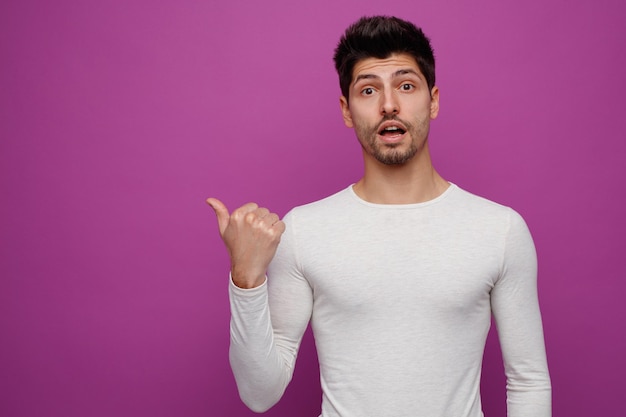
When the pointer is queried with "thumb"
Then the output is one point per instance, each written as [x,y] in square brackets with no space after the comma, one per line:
[221,212]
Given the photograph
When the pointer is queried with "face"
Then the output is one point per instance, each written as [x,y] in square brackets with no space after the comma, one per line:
[390,108]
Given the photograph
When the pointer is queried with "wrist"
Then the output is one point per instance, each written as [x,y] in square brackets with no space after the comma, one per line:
[245,279]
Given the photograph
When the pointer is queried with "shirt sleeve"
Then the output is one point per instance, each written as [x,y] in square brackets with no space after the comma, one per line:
[515,308]
[267,325]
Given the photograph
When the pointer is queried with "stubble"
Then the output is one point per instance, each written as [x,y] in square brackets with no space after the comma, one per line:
[392,153]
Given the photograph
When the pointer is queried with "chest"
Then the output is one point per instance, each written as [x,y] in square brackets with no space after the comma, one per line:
[392,268]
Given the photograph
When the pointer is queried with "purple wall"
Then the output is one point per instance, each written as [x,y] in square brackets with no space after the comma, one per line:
[118,118]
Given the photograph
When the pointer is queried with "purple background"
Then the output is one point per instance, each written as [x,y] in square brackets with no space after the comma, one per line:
[118,118]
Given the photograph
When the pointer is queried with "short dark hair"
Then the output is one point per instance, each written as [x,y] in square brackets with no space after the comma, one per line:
[380,37]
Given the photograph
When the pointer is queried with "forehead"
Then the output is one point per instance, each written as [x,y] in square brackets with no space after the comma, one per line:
[386,67]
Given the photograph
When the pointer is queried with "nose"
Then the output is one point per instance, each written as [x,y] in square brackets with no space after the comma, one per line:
[389,103]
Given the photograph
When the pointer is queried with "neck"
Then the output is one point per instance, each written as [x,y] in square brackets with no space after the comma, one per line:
[413,182]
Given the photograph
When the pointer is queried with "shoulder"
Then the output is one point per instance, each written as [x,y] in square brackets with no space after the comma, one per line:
[484,211]
[476,202]
[328,206]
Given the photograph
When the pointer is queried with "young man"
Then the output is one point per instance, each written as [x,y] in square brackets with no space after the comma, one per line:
[399,273]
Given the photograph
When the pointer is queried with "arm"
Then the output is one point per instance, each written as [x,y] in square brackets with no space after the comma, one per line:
[515,308]
[263,344]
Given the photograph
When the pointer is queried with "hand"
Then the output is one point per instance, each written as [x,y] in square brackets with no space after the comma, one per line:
[251,235]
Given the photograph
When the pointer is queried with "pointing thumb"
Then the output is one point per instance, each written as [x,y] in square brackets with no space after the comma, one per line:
[221,212]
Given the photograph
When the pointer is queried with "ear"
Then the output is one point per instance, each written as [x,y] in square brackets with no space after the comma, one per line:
[434,102]
[345,111]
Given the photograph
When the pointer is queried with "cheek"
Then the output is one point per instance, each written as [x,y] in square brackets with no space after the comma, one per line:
[364,126]
[364,115]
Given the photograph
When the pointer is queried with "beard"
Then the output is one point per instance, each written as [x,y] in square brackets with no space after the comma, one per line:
[389,154]
[392,153]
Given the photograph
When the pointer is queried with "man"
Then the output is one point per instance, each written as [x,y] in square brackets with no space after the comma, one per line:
[399,273]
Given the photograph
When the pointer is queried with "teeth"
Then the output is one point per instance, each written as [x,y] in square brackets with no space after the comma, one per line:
[392,128]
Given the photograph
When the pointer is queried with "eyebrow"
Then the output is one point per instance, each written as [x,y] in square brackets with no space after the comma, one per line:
[395,74]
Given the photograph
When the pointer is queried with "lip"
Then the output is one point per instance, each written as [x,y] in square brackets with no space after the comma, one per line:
[393,138]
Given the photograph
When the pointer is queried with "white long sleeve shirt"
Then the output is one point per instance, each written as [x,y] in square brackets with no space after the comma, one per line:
[400,299]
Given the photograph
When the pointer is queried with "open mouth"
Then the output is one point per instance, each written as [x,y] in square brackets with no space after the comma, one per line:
[391,131]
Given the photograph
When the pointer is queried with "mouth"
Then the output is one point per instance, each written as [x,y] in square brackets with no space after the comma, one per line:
[391,131]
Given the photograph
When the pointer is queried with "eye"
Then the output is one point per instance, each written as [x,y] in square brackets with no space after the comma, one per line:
[367,91]
[407,87]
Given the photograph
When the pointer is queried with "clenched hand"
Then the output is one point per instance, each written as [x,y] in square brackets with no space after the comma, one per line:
[251,235]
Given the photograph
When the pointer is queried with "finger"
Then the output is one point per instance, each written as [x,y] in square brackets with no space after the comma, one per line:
[239,215]
[256,217]
[245,209]
[271,218]
[261,212]
[221,212]
[279,226]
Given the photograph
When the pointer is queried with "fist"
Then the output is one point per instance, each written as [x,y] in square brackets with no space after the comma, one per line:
[251,235]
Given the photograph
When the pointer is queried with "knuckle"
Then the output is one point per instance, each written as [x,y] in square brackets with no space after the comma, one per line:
[237,214]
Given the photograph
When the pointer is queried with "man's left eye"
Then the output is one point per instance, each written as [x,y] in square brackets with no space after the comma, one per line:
[407,87]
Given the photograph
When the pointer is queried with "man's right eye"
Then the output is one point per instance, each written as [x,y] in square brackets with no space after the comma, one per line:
[367,91]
